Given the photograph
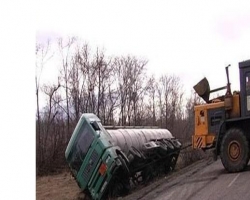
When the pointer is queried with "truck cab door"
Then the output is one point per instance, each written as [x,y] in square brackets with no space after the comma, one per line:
[245,88]
[248,94]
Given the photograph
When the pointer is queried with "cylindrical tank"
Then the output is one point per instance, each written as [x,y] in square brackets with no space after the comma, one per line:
[126,138]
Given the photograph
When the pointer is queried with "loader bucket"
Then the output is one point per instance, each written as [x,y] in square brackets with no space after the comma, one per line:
[203,89]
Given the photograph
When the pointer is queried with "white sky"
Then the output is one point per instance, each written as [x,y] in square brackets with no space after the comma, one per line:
[190,39]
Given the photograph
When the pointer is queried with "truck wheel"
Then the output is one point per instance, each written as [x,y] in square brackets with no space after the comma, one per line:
[234,150]
[119,184]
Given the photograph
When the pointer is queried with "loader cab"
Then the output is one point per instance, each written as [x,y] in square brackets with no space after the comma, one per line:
[244,68]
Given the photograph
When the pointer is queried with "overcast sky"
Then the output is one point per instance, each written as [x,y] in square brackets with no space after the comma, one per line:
[190,39]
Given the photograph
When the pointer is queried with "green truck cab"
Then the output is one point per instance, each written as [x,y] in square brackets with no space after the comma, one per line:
[92,156]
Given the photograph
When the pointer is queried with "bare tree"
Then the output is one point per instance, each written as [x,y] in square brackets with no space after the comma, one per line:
[48,119]
[107,95]
[193,100]
[43,55]
[83,61]
[130,85]
[151,91]
[66,55]
[170,99]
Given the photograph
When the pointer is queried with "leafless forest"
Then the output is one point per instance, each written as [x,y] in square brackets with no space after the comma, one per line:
[118,89]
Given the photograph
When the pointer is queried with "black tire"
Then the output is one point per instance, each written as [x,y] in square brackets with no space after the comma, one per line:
[234,151]
[119,184]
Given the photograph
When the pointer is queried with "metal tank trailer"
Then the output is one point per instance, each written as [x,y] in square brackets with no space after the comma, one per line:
[107,161]
[149,151]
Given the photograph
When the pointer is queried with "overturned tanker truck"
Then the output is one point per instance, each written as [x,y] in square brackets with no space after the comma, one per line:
[107,163]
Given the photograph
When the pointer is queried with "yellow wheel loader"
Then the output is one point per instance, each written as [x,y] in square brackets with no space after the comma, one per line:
[223,123]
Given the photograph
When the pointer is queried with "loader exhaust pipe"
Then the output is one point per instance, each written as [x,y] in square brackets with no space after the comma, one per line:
[228,96]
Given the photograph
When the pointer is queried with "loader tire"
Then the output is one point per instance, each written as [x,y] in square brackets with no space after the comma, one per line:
[234,150]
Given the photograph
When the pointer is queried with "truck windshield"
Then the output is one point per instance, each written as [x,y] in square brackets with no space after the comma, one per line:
[80,147]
